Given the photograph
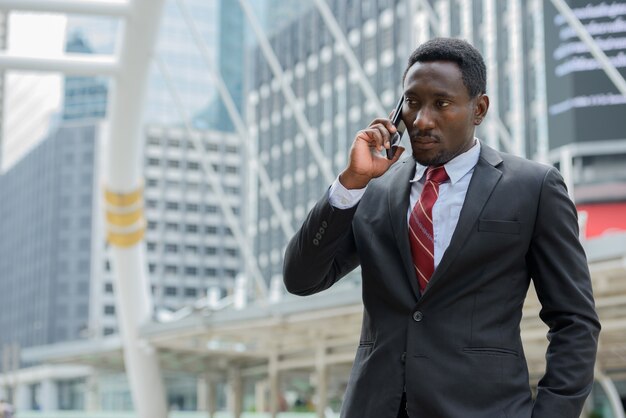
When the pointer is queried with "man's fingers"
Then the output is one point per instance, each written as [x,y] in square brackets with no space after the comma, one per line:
[386,123]
[397,155]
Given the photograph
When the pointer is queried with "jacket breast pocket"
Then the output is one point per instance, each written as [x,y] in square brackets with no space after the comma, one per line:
[501,227]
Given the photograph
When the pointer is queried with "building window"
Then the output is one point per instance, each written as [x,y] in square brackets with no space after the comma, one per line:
[108,331]
[191,249]
[211,229]
[230,272]
[152,225]
[191,271]
[211,209]
[191,292]
[210,250]
[192,165]
[232,252]
[109,310]
[192,207]
[210,271]
[151,267]
[108,287]
[152,246]
[170,226]
[171,205]
[173,163]
[171,248]
[170,291]
[191,228]
[154,162]
[171,269]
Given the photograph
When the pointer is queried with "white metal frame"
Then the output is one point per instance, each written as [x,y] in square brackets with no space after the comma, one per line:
[300,117]
[123,172]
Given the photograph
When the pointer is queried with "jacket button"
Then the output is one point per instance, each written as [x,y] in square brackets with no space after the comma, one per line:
[417,316]
[316,242]
[318,236]
[324,224]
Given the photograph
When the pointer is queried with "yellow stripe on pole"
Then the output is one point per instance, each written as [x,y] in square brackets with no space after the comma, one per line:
[124,219]
[123,199]
[121,214]
[127,239]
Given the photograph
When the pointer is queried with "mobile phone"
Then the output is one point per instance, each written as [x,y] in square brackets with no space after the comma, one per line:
[400,126]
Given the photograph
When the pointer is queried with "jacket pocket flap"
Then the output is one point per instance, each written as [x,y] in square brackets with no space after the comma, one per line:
[504,227]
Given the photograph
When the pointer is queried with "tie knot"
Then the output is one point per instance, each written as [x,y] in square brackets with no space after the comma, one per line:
[436,174]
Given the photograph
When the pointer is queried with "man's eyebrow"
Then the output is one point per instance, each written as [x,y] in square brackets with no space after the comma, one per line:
[438,93]
[444,94]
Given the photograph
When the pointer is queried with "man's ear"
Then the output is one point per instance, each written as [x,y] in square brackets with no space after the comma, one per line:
[480,109]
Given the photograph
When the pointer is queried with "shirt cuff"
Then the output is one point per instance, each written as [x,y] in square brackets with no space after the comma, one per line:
[342,198]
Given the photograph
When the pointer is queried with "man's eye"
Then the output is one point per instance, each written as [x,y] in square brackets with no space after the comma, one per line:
[443,103]
[411,102]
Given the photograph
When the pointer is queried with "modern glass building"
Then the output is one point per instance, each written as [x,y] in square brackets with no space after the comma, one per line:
[516,38]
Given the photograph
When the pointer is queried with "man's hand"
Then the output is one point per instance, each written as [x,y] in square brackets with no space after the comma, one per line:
[366,159]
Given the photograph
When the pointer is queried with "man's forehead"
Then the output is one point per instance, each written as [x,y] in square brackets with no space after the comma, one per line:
[442,76]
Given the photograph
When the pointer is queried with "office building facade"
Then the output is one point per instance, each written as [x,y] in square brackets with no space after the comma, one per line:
[382,34]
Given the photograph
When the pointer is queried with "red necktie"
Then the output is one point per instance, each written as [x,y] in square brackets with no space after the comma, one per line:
[421,226]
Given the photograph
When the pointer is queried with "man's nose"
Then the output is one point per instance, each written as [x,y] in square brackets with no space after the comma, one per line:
[424,119]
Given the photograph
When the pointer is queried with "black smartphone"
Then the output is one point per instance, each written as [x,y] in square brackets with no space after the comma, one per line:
[399,124]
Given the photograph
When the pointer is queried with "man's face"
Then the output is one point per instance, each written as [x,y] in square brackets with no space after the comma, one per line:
[438,112]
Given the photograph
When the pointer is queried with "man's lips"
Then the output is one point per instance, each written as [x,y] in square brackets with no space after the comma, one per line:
[424,141]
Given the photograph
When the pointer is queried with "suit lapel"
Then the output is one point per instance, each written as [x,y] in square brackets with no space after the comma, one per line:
[398,206]
[483,181]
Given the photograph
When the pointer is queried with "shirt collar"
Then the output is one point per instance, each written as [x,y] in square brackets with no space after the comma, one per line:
[457,167]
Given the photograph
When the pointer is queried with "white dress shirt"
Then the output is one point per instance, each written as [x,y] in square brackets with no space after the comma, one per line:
[447,208]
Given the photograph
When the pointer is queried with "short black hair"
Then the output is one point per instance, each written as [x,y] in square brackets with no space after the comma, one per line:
[467,57]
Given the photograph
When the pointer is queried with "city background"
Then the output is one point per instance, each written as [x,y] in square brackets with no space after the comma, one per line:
[156,157]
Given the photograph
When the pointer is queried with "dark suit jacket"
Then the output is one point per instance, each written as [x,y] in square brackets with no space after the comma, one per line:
[456,349]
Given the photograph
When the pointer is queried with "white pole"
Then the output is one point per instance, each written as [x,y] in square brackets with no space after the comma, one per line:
[93,7]
[266,48]
[123,179]
[78,64]
[353,62]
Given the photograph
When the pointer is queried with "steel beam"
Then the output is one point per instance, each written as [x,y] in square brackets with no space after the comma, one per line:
[301,120]
[76,64]
[237,120]
[353,63]
[92,7]
[216,185]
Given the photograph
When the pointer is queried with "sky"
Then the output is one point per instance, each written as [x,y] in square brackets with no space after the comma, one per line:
[30,99]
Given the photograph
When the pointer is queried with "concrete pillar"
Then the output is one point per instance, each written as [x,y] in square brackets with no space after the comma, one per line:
[207,395]
[260,395]
[22,397]
[92,392]
[49,395]
[274,385]
[235,392]
[321,377]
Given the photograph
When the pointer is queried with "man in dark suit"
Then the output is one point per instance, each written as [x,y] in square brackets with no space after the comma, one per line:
[448,242]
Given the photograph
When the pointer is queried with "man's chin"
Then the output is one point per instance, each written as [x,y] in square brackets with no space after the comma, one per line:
[429,160]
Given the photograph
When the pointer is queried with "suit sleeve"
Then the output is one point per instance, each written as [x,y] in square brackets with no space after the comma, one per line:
[558,266]
[322,251]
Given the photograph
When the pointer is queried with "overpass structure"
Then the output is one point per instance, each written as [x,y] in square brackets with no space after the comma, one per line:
[268,338]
